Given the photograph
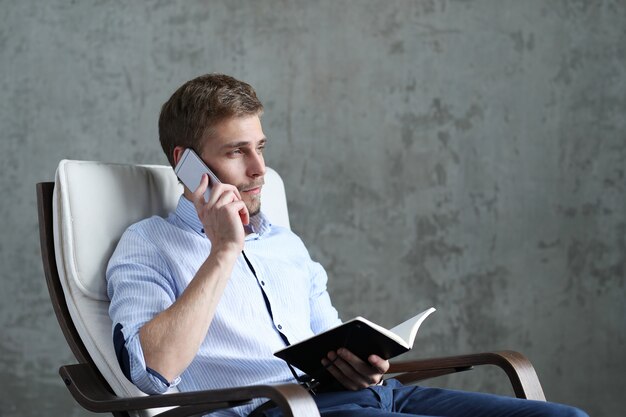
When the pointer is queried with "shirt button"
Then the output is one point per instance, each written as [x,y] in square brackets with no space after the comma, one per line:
[280,327]
[262,282]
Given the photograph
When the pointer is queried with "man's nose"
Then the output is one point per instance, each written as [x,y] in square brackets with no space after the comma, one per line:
[256,165]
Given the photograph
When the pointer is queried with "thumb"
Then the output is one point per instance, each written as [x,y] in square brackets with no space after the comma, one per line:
[378,363]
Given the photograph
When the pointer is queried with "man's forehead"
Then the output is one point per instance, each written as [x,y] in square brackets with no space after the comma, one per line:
[235,132]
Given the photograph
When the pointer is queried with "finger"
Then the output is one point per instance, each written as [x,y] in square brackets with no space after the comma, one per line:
[338,375]
[198,194]
[229,195]
[225,197]
[244,215]
[219,191]
[237,193]
[239,209]
[378,363]
[359,377]
[216,192]
[365,371]
[221,185]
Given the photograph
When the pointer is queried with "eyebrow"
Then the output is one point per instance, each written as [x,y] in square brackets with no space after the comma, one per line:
[243,143]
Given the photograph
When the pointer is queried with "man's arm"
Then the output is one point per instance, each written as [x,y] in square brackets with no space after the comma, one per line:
[171,340]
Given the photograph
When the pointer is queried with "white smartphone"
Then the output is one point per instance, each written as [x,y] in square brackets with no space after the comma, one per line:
[190,169]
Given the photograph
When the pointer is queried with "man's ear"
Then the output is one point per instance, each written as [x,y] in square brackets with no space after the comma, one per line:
[178,152]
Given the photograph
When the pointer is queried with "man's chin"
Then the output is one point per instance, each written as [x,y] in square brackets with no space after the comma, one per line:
[253,209]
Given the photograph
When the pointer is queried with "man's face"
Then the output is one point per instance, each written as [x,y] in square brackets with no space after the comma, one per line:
[234,152]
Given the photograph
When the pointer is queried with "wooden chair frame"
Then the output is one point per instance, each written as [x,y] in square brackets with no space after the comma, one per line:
[92,392]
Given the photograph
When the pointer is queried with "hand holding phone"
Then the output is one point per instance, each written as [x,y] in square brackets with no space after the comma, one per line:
[190,169]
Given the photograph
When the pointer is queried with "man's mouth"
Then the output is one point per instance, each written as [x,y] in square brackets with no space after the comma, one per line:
[252,189]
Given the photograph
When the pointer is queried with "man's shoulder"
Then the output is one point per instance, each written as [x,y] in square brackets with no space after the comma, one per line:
[143,238]
[149,224]
[152,228]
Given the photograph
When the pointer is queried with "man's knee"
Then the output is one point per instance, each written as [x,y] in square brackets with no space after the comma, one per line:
[561,410]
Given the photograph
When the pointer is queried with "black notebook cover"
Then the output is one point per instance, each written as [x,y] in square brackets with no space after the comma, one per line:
[354,335]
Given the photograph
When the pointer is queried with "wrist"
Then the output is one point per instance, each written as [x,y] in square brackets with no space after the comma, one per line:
[222,258]
[225,251]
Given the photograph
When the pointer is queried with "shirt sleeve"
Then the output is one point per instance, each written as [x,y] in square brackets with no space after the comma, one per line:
[323,314]
[140,286]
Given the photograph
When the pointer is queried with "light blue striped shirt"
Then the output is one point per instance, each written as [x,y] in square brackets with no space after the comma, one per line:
[156,259]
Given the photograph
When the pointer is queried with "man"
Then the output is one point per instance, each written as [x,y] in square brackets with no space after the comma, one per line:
[203,298]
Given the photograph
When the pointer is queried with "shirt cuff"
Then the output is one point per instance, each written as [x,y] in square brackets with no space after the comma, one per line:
[146,379]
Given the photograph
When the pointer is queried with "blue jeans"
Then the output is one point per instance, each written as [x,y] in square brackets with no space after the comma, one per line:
[395,399]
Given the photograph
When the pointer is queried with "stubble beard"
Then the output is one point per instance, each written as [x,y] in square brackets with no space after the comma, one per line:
[254,207]
[254,204]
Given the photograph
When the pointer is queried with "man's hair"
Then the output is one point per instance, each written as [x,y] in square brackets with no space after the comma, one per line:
[199,105]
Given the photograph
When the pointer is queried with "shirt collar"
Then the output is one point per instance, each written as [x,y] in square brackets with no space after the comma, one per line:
[186,211]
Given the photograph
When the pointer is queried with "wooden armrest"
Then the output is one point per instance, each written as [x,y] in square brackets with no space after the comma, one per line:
[517,367]
[88,390]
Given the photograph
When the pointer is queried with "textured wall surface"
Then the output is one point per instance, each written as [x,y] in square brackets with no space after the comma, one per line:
[465,154]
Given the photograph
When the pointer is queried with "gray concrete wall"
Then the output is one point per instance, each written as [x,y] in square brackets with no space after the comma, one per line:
[465,154]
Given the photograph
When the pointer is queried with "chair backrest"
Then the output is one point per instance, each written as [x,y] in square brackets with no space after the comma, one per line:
[93,203]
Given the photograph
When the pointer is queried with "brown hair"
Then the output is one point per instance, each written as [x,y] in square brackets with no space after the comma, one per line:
[198,105]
